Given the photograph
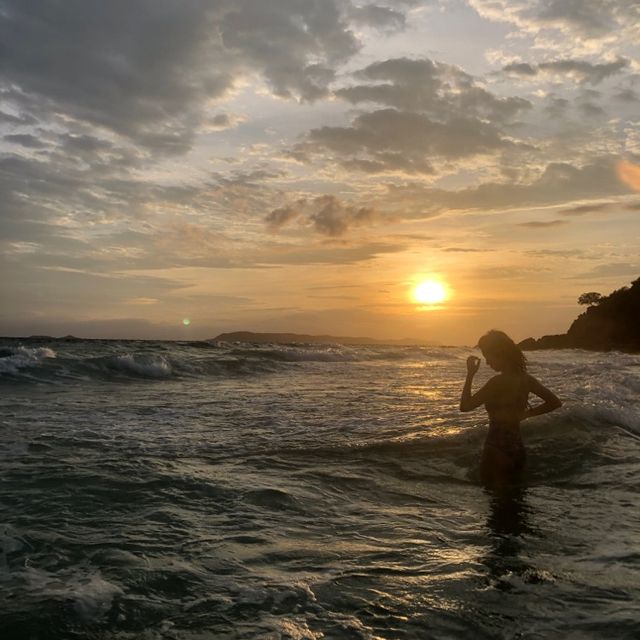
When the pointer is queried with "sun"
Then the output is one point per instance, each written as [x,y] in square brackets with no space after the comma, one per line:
[430,292]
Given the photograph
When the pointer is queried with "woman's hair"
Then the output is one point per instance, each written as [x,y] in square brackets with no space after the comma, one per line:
[504,348]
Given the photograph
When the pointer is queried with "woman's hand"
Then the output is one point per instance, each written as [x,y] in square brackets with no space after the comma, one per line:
[473,364]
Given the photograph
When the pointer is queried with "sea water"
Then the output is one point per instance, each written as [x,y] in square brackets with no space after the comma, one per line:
[209,490]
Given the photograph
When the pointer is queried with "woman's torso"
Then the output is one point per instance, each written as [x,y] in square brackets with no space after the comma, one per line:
[505,408]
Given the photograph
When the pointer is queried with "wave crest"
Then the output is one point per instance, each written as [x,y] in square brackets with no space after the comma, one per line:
[12,359]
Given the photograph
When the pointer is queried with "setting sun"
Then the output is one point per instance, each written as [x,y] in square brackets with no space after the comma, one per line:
[430,292]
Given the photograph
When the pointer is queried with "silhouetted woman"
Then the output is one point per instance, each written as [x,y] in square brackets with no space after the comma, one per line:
[505,397]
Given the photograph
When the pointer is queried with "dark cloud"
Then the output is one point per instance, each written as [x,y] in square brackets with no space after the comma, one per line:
[429,111]
[333,217]
[627,95]
[138,68]
[250,177]
[280,217]
[326,214]
[520,69]
[585,208]
[585,71]
[581,70]
[21,120]
[591,110]
[282,38]
[556,253]
[423,85]
[391,140]
[505,272]
[376,16]
[557,107]
[25,140]
[146,70]
[221,121]
[540,224]
[589,18]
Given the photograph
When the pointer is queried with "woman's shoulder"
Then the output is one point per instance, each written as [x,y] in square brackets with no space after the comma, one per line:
[495,383]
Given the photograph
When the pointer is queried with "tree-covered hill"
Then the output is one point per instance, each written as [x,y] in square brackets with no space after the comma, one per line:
[610,322]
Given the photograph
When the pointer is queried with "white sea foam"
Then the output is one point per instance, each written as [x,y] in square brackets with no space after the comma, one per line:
[90,594]
[156,366]
[23,357]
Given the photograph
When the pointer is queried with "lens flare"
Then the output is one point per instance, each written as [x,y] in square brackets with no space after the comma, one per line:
[629,173]
[186,322]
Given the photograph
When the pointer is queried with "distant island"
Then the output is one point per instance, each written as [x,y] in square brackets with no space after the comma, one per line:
[610,323]
[290,338]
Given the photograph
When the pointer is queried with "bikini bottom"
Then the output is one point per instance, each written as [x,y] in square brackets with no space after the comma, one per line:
[503,456]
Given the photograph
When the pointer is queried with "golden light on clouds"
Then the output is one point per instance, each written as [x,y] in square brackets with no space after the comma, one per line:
[629,173]
[430,292]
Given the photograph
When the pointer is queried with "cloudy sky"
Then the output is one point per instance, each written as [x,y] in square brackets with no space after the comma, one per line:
[300,165]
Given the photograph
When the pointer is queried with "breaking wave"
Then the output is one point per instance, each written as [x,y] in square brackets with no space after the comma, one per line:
[137,360]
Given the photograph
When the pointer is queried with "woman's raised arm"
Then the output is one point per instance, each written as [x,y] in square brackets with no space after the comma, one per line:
[469,401]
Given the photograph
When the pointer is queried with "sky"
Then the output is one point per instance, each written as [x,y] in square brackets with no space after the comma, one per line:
[180,168]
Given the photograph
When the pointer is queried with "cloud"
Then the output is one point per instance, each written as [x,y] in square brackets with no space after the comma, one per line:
[109,65]
[340,254]
[558,183]
[101,219]
[626,95]
[9,118]
[465,250]
[326,214]
[388,140]
[557,107]
[615,269]
[539,224]
[190,242]
[378,17]
[585,208]
[587,19]
[521,69]
[25,140]
[149,71]
[425,112]
[280,217]
[222,121]
[581,70]
[423,85]
[334,218]
[556,253]
[294,44]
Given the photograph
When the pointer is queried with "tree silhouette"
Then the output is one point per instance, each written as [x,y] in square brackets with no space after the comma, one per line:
[590,298]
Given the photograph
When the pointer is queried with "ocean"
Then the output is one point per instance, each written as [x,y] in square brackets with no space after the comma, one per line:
[196,490]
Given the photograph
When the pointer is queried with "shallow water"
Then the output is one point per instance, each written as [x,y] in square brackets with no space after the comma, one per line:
[196,490]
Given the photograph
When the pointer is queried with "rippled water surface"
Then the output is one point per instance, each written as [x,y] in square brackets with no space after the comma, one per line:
[196,490]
